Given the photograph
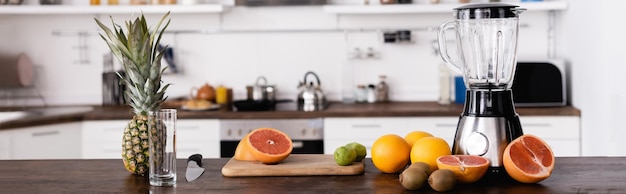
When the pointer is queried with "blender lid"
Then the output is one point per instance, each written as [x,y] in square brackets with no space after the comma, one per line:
[487,10]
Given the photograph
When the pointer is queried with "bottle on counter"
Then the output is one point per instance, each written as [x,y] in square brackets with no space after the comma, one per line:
[382,89]
[444,85]
[371,93]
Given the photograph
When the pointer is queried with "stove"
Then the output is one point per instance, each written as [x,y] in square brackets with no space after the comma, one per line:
[307,135]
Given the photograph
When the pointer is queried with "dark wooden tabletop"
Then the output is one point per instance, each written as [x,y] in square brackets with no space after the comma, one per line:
[571,175]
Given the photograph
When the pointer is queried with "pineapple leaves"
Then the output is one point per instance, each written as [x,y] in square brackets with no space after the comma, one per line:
[137,47]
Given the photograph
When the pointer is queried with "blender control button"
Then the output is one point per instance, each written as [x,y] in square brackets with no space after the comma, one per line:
[477,144]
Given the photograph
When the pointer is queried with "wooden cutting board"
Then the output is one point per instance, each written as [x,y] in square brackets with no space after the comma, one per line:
[294,165]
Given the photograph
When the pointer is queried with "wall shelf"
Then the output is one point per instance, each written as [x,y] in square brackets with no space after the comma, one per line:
[104,9]
[430,8]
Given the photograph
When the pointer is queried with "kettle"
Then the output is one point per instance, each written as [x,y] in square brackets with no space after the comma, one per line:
[310,96]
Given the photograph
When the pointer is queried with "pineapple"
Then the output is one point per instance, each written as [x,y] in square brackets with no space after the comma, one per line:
[137,49]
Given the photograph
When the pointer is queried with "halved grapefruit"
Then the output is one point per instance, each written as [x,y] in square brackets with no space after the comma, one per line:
[528,159]
[268,145]
[467,168]
[243,152]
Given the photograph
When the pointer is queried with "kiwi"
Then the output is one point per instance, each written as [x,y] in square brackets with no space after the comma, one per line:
[421,165]
[442,180]
[413,178]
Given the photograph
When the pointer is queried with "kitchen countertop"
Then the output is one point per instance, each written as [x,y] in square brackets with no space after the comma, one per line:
[42,116]
[571,175]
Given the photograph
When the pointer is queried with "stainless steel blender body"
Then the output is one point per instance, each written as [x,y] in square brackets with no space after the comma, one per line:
[486,40]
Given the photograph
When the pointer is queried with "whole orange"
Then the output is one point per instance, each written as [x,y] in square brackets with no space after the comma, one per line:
[428,149]
[390,153]
[413,136]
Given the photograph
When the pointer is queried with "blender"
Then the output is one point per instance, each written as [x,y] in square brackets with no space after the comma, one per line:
[486,43]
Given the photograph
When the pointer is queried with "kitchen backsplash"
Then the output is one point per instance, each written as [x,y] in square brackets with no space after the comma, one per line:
[252,42]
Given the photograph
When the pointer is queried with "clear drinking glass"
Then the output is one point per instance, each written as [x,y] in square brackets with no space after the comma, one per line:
[162,140]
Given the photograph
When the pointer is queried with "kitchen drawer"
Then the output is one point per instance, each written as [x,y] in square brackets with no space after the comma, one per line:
[340,131]
[60,141]
[103,131]
[197,130]
[552,127]
[5,145]
[367,127]
[208,149]
[443,127]
[103,139]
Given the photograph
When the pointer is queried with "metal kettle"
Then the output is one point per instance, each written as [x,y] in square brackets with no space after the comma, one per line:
[310,96]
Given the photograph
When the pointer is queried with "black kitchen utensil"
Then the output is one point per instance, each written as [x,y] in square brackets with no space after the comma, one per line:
[257,105]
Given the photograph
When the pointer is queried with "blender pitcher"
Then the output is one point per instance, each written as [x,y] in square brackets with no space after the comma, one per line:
[486,40]
[486,37]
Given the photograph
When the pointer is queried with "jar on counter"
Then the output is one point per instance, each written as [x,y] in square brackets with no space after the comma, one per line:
[94,2]
[382,90]
[361,94]
[113,2]
[387,1]
[138,2]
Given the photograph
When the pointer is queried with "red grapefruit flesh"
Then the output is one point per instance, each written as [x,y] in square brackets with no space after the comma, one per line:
[528,159]
[268,145]
[467,168]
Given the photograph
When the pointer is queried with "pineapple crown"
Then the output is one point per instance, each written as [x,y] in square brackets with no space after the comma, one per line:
[137,49]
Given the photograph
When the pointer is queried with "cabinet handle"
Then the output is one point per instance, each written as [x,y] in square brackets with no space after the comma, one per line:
[45,133]
[536,125]
[366,126]
[188,128]
[445,125]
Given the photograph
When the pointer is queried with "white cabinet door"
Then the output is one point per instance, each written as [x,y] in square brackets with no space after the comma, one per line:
[365,130]
[103,139]
[198,136]
[562,133]
[443,127]
[59,141]
[5,145]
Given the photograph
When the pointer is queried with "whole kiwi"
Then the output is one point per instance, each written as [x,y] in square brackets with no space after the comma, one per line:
[442,180]
[413,178]
[421,165]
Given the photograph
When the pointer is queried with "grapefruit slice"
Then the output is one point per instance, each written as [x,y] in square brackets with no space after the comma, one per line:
[467,168]
[528,159]
[242,152]
[268,145]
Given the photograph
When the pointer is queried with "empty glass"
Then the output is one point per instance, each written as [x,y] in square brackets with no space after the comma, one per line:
[162,140]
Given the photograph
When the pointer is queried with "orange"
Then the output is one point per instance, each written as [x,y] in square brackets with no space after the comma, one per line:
[242,152]
[268,145]
[413,136]
[467,168]
[528,159]
[428,149]
[390,153]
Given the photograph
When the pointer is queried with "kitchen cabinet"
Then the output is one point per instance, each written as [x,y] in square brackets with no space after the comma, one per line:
[562,133]
[365,130]
[5,145]
[103,139]
[430,8]
[59,141]
[104,9]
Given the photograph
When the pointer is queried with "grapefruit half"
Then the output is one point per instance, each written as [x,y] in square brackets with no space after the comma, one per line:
[243,152]
[528,159]
[268,145]
[467,168]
